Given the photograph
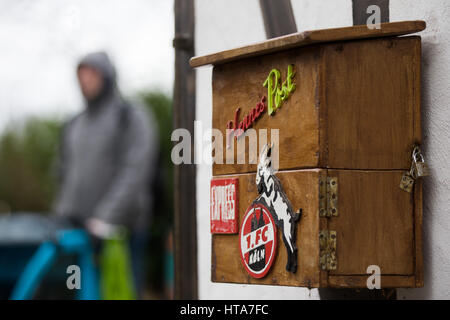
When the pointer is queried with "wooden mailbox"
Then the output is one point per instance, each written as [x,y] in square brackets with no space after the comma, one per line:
[348,115]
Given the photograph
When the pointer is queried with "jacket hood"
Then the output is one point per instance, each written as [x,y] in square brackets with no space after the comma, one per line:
[101,62]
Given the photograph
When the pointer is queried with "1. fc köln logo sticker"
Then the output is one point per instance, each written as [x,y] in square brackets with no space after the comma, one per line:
[258,240]
[269,211]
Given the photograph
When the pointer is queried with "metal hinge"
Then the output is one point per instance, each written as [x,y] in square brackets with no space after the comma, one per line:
[328,197]
[327,245]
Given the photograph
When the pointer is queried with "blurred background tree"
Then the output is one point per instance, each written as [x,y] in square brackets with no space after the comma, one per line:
[27,158]
[161,105]
[28,175]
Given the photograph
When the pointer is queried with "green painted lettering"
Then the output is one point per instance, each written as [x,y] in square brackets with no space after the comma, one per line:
[278,92]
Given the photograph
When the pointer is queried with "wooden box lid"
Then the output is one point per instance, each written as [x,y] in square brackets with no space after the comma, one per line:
[307,38]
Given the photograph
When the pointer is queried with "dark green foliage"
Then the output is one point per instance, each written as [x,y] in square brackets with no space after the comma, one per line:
[27,158]
[161,106]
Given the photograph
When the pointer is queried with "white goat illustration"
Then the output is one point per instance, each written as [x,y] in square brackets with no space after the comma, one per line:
[272,193]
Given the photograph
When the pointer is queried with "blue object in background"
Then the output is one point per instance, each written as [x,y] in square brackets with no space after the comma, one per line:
[75,241]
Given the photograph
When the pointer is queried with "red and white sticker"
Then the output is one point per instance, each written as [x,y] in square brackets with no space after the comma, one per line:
[258,240]
[224,205]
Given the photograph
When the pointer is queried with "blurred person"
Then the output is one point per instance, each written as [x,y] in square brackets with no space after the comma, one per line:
[107,161]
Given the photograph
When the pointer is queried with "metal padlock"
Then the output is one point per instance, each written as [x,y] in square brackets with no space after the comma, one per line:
[420,166]
[407,182]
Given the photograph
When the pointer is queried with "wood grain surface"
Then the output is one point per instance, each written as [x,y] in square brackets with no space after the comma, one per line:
[356,105]
[352,281]
[375,225]
[372,99]
[240,85]
[302,189]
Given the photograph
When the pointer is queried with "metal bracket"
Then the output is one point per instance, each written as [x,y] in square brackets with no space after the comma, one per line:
[328,197]
[327,245]
[183,41]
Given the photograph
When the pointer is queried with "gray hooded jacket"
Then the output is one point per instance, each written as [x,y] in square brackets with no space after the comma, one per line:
[108,158]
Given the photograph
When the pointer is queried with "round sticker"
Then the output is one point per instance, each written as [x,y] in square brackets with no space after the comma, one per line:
[258,240]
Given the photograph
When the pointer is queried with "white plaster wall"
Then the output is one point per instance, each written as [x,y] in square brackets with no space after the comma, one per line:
[322,14]
[226,24]
[436,134]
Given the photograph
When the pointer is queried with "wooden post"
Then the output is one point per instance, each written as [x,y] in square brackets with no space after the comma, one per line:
[278,18]
[360,14]
[185,233]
